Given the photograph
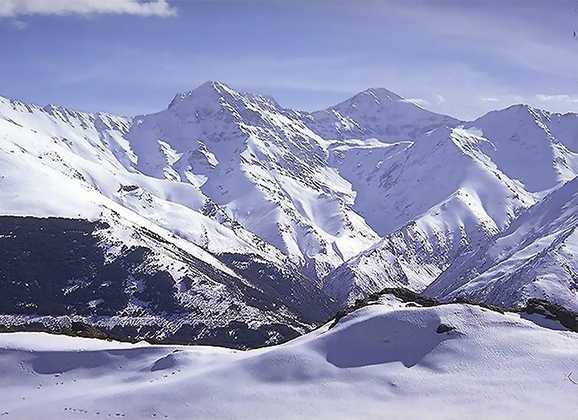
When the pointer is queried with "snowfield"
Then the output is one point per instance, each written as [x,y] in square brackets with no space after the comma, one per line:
[387,360]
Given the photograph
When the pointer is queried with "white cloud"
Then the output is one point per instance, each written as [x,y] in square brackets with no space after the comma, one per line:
[557,98]
[14,8]
[440,99]
[490,99]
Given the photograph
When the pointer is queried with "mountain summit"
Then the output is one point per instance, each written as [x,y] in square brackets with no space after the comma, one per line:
[377,113]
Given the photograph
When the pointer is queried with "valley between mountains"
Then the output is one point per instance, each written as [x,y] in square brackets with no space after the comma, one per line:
[227,219]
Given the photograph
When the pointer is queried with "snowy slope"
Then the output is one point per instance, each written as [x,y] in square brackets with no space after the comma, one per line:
[86,165]
[446,362]
[536,257]
[61,163]
[263,165]
[536,147]
[431,199]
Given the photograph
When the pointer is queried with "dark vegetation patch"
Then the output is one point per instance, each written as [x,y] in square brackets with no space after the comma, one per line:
[287,286]
[443,328]
[56,268]
[405,295]
[552,311]
[237,334]
[54,277]
[234,334]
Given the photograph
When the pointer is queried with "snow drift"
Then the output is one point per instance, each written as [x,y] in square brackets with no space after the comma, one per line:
[390,359]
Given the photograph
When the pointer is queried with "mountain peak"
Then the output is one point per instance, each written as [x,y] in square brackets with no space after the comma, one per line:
[215,93]
[209,91]
[514,113]
[371,97]
[376,99]
[380,94]
[214,85]
[519,108]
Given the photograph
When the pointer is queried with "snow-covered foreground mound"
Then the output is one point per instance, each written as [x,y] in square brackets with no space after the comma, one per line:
[381,361]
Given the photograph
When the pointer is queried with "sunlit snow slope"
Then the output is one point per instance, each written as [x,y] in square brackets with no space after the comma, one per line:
[67,164]
[536,257]
[431,199]
[384,360]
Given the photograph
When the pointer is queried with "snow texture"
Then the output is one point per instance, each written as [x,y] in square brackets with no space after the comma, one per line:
[389,359]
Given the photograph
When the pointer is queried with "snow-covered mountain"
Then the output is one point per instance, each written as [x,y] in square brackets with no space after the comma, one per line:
[536,257]
[67,164]
[536,147]
[252,215]
[376,113]
[446,194]
[431,199]
[394,357]
[262,165]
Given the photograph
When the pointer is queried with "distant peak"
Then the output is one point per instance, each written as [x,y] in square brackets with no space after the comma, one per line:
[215,92]
[381,94]
[527,109]
[518,107]
[521,110]
[214,85]
[210,90]
[371,97]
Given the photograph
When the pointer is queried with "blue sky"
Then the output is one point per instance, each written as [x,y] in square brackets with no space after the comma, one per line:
[129,56]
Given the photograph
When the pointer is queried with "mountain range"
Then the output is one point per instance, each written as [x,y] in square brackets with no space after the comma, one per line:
[229,219]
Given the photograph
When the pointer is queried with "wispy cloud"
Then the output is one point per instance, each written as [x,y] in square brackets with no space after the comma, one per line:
[15,8]
[490,99]
[18,24]
[557,98]
[440,99]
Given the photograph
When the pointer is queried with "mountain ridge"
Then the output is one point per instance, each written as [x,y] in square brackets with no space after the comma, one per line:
[370,193]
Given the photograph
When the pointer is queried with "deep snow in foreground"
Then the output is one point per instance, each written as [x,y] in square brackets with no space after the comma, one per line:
[381,361]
